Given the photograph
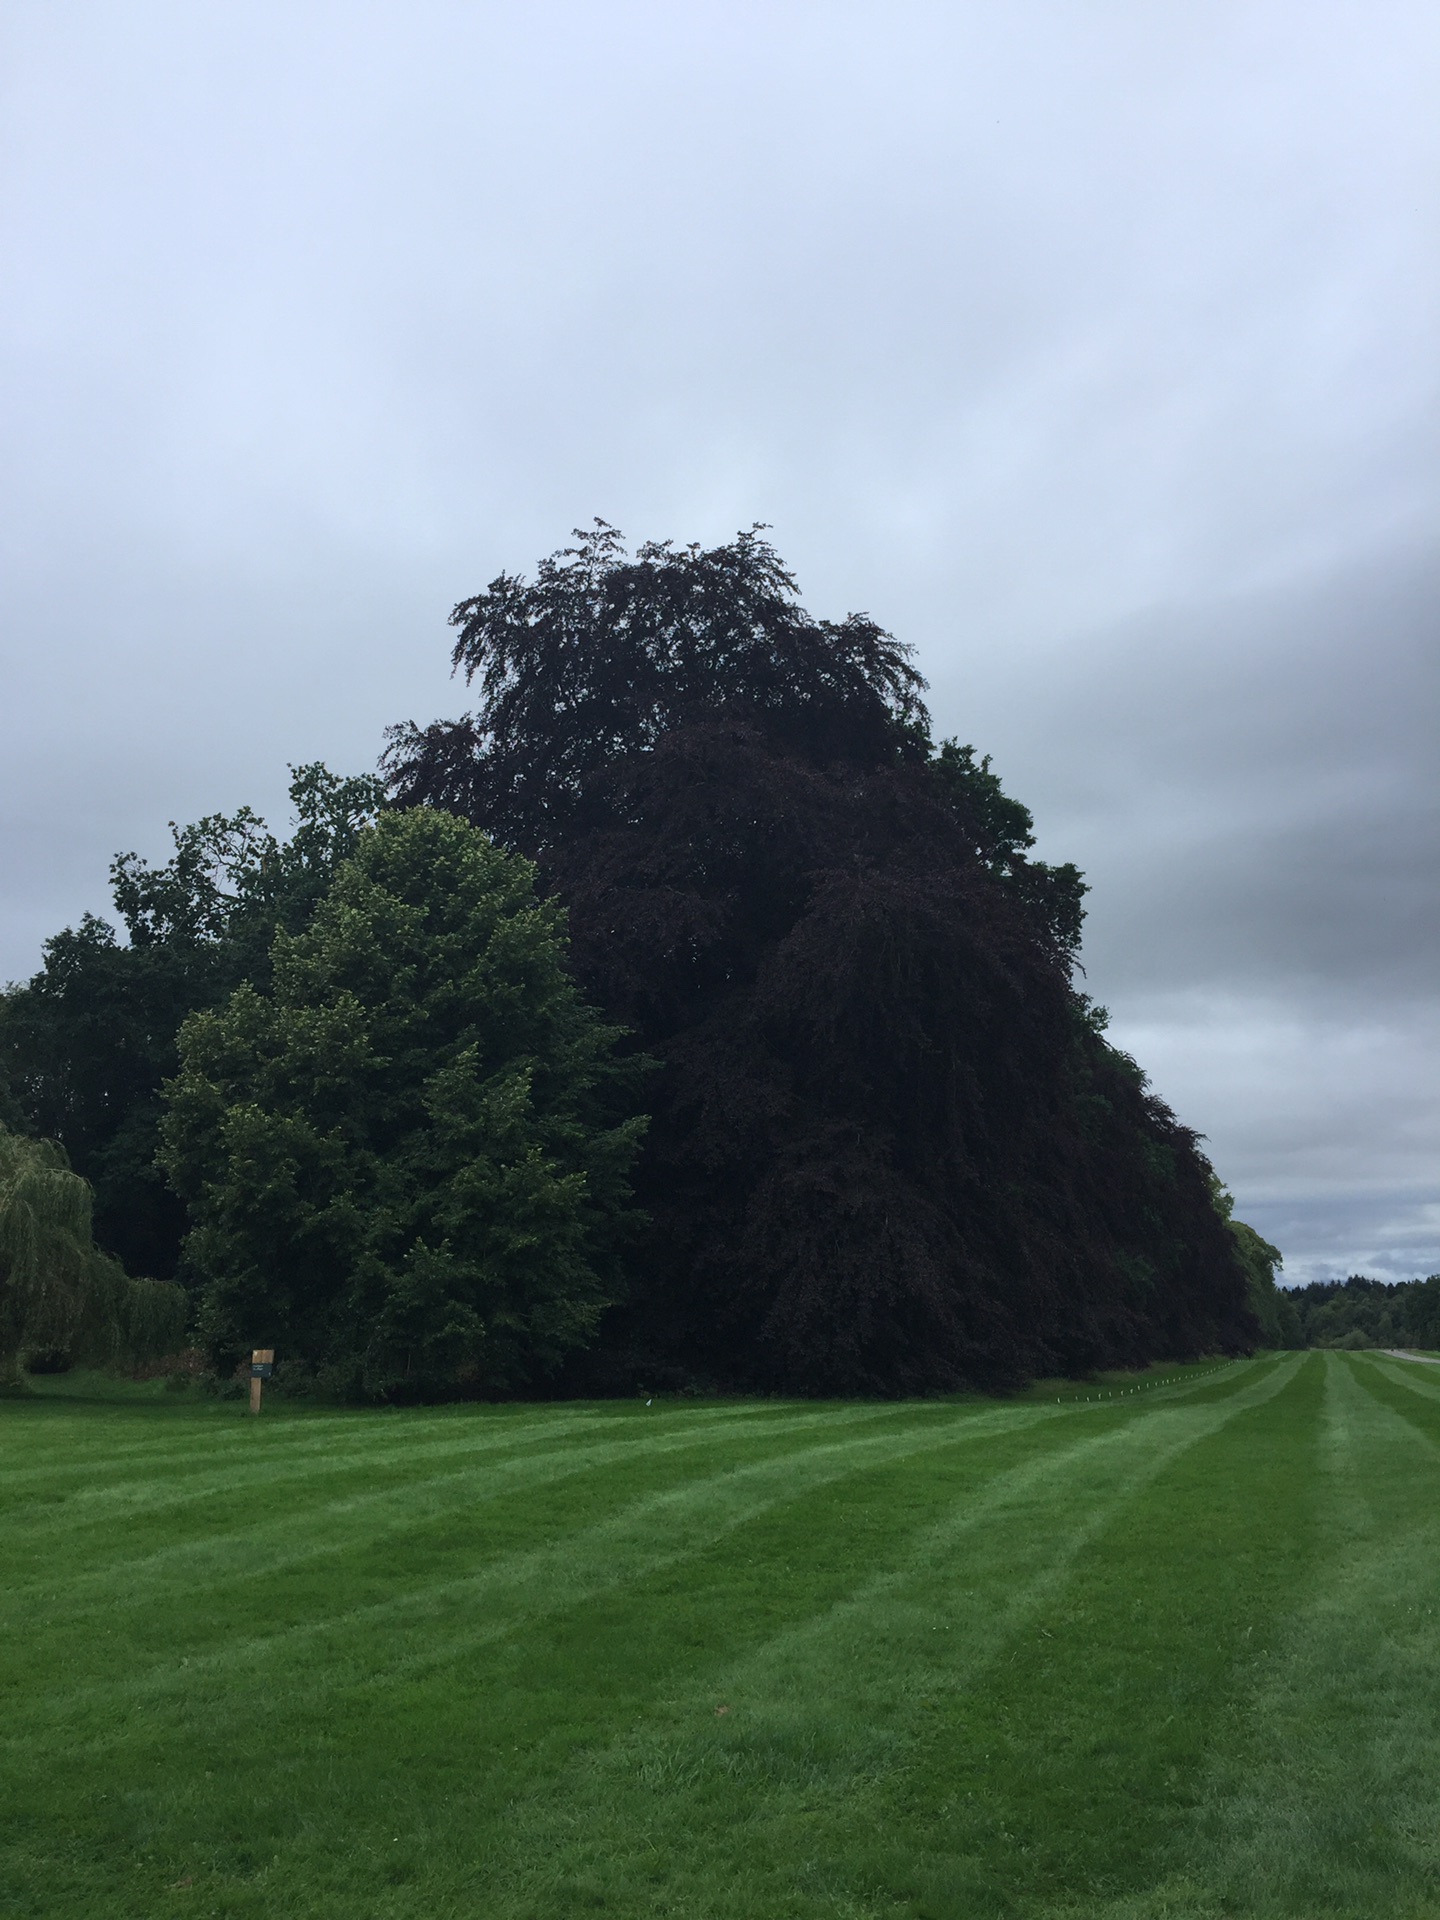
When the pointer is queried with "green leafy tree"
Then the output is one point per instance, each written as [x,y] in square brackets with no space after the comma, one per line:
[1271,1305]
[406,1157]
[1359,1311]
[57,1290]
[85,1045]
[1003,832]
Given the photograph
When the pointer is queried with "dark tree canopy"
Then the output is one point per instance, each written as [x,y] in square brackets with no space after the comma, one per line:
[891,1149]
[602,656]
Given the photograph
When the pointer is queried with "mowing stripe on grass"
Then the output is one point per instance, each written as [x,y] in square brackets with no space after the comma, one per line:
[1321,1799]
[256,1545]
[888,1659]
[1127,1658]
[434,1620]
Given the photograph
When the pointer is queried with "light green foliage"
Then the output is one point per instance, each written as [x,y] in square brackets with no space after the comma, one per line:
[230,881]
[407,1159]
[1172,1653]
[1272,1307]
[56,1289]
[1004,834]
[47,1258]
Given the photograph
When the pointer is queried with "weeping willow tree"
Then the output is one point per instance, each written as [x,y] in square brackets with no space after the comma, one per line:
[57,1289]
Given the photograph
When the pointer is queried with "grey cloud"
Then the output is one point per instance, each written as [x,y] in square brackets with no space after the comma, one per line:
[1390,1235]
[1255,782]
[1090,347]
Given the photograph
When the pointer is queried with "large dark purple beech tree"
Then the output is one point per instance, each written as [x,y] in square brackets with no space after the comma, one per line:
[891,1151]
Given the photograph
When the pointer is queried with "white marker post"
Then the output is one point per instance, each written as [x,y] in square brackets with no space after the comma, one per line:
[262,1365]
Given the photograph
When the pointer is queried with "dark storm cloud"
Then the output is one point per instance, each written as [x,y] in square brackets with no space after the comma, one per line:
[1092,347]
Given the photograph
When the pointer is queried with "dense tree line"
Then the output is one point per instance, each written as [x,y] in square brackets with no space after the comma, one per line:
[87,1044]
[344,1086]
[684,1013]
[1366,1313]
[406,1155]
[891,1149]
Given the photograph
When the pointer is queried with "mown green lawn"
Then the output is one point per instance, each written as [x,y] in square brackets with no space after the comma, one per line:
[1173,1652]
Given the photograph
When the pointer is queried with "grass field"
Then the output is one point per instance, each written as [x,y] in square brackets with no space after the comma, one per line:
[1173,1652]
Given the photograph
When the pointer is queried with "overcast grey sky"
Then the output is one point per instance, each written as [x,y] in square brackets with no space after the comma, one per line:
[1093,347]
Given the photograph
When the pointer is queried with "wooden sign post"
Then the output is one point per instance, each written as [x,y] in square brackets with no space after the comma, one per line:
[262,1365]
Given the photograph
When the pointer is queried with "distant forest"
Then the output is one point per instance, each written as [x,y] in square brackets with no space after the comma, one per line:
[685,1015]
[1365,1313]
